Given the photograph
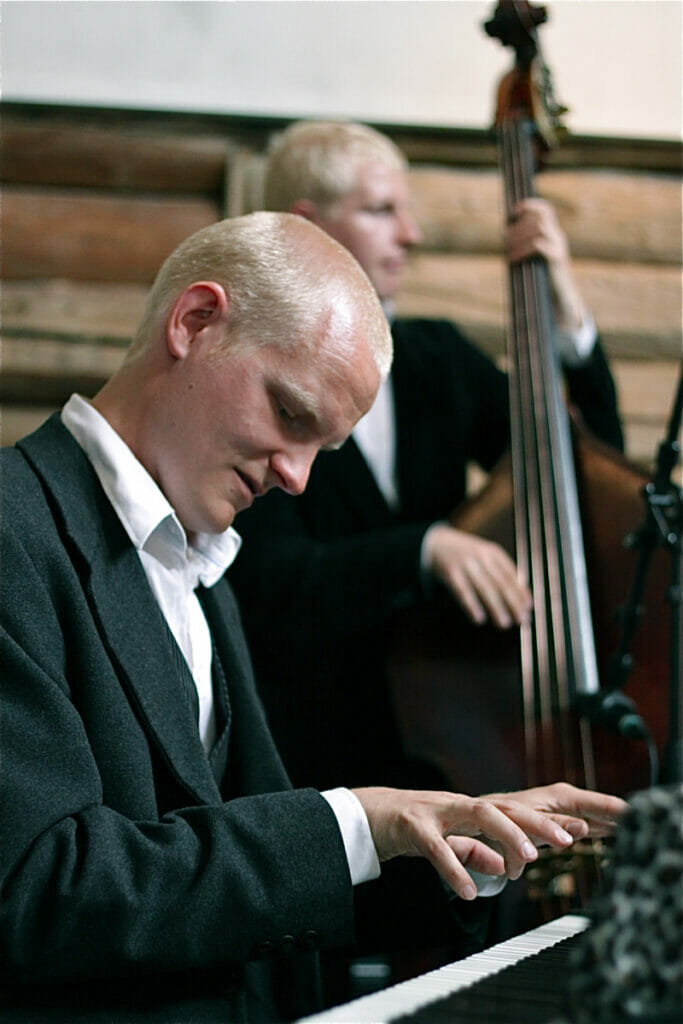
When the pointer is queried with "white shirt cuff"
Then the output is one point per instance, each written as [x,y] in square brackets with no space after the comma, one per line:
[425,553]
[575,347]
[356,836]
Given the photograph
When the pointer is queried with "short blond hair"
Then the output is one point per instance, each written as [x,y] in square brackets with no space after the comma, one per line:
[283,276]
[317,160]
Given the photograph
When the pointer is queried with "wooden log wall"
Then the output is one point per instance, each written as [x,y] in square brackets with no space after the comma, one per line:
[94,200]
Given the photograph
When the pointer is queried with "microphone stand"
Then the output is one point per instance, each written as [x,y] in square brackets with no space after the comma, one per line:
[663,525]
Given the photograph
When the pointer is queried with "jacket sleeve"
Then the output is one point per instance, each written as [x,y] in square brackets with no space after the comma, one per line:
[593,392]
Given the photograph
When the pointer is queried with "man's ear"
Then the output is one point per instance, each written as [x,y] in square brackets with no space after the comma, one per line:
[198,306]
[306,208]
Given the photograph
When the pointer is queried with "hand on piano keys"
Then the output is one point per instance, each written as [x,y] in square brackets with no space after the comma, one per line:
[453,831]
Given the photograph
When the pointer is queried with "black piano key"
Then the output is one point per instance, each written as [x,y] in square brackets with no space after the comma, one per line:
[533,990]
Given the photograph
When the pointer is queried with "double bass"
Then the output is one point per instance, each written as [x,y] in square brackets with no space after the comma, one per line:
[501,710]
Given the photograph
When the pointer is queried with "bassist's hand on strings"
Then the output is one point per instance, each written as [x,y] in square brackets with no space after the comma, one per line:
[479,573]
[535,231]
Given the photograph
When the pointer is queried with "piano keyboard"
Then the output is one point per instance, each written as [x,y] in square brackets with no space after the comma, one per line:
[408,997]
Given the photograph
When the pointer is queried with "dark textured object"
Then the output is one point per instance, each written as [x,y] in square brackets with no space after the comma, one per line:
[629,963]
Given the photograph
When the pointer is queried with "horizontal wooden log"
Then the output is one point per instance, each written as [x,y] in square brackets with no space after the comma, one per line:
[46,371]
[606,216]
[454,147]
[637,307]
[66,153]
[91,237]
[108,312]
[450,146]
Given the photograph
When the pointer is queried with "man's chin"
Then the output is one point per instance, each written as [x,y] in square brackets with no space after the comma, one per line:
[220,521]
[387,292]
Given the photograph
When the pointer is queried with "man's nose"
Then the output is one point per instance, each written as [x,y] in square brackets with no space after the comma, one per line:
[291,468]
[409,231]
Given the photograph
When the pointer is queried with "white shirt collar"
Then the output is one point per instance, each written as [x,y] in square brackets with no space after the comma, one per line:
[146,515]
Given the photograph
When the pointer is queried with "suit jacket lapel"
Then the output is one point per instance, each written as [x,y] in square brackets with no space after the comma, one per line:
[149,668]
[129,619]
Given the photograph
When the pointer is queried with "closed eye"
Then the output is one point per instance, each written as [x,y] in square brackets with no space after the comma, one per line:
[382,209]
[295,421]
[305,424]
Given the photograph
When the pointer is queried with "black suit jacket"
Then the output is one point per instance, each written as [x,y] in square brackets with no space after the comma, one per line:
[321,576]
[135,869]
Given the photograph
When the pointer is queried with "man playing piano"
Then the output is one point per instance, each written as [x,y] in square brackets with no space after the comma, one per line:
[155,862]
